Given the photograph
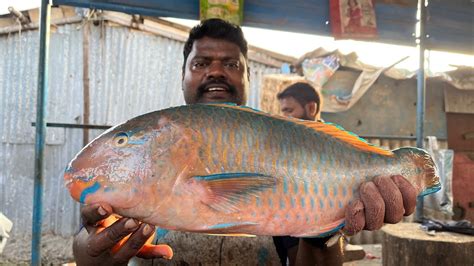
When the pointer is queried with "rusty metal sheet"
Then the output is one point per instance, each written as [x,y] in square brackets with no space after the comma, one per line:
[458,101]
[461,132]
[463,187]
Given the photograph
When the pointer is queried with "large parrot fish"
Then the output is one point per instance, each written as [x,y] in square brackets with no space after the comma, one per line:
[223,169]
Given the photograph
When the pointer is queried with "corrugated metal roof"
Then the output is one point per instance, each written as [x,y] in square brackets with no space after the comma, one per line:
[130,72]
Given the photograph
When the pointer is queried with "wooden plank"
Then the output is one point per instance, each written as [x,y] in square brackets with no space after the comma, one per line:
[68,11]
[56,13]
[7,21]
[274,55]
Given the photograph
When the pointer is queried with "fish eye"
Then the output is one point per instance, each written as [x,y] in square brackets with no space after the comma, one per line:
[121,139]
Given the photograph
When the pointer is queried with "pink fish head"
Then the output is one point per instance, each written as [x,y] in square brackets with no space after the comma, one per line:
[122,165]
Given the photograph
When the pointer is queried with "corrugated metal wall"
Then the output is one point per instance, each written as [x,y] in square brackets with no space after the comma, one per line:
[18,79]
[130,72]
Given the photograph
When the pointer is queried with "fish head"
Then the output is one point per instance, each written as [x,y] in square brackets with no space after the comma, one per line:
[117,167]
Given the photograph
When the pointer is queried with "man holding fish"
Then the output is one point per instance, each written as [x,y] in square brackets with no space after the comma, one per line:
[215,70]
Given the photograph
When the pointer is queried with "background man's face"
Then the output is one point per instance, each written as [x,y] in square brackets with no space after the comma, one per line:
[215,71]
[289,106]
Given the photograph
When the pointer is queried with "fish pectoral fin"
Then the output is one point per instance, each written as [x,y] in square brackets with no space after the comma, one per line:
[226,190]
[325,230]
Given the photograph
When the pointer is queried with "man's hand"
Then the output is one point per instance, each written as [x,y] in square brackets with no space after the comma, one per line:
[101,242]
[386,199]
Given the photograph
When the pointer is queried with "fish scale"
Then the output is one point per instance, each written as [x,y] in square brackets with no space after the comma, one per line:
[226,169]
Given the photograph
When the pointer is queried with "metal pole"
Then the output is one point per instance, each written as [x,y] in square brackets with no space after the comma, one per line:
[40,132]
[421,88]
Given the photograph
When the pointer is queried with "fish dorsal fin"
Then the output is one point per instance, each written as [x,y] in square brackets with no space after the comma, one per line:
[345,136]
[331,129]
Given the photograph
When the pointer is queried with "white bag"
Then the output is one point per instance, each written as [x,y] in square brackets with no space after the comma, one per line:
[5,227]
[440,205]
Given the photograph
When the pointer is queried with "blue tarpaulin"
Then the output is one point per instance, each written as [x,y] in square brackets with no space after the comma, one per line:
[449,25]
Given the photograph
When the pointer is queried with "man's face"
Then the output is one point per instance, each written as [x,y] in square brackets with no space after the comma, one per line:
[289,106]
[215,71]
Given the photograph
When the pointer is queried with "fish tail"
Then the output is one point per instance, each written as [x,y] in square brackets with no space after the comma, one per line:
[425,170]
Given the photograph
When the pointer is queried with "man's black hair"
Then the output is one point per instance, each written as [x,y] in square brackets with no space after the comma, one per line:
[216,29]
[303,94]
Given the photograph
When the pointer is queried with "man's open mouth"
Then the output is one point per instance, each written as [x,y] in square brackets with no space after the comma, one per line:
[213,88]
[216,90]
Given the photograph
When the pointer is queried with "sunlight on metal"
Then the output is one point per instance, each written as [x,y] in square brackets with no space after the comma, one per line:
[421,92]
[40,132]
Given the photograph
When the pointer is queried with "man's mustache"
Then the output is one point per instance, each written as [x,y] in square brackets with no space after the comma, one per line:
[216,83]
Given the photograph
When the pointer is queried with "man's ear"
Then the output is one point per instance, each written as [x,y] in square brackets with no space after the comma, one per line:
[311,108]
[183,69]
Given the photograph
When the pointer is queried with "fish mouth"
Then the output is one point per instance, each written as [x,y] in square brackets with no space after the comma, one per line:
[95,190]
[78,182]
[69,182]
[76,188]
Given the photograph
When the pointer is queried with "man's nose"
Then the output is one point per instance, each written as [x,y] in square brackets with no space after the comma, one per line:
[216,71]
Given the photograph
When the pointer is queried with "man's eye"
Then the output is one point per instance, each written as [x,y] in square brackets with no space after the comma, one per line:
[199,64]
[234,65]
